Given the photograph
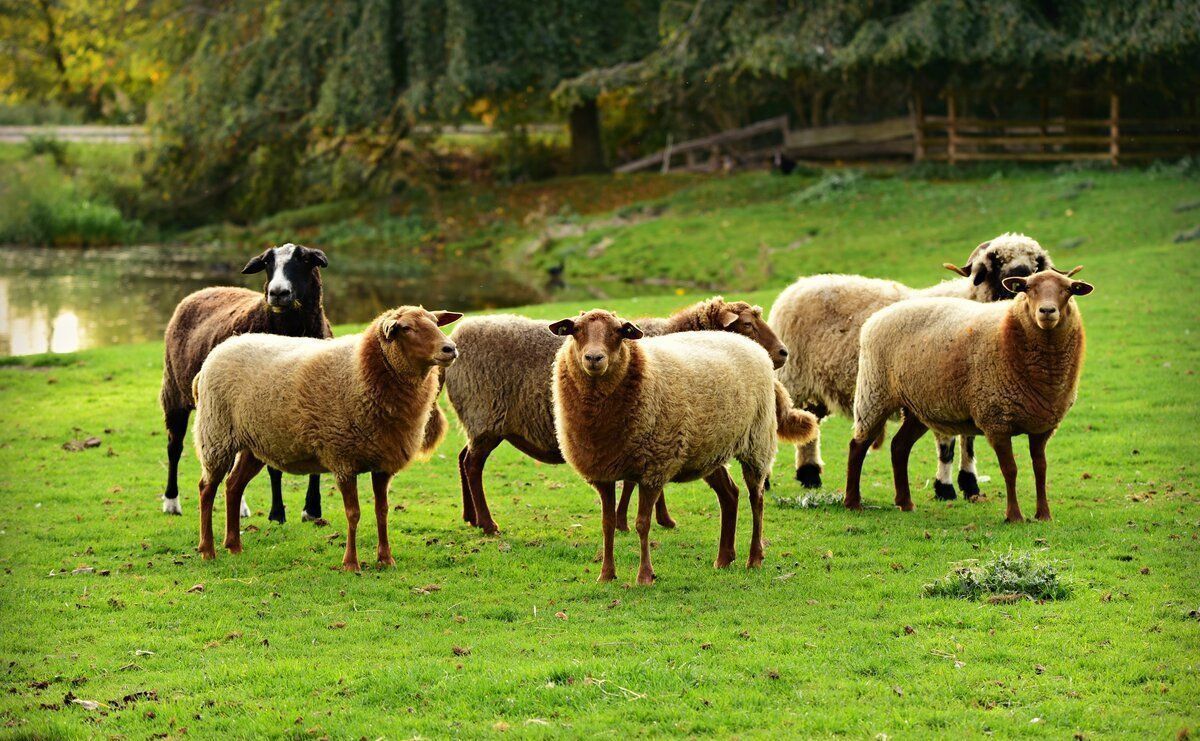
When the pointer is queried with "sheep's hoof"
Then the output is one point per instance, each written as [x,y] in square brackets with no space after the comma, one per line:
[1043,516]
[969,484]
[855,505]
[944,492]
[607,575]
[208,553]
[306,517]
[666,522]
[490,529]
[809,476]
[723,560]
[755,561]
[1014,519]
[646,577]
[351,566]
[171,506]
[279,517]
[386,560]
[234,547]
[906,506]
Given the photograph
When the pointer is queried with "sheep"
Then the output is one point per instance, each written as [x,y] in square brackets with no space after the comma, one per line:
[290,304]
[514,403]
[671,408]
[999,370]
[819,318]
[353,405]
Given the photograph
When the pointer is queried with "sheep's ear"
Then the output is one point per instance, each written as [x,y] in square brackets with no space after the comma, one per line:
[631,331]
[318,257]
[563,327]
[1079,288]
[979,272]
[445,317]
[1015,284]
[728,318]
[389,328]
[964,271]
[256,264]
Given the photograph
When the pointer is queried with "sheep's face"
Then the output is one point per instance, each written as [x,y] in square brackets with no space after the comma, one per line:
[1048,295]
[293,276]
[596,339]
[1002,258]
[741,318]
[412,335]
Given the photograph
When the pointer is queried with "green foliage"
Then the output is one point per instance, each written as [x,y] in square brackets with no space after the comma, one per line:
[811,500]
[1003,575]
[48,145]
[833,185]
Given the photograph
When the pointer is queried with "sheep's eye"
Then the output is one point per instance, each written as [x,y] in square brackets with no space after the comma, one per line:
[405,328]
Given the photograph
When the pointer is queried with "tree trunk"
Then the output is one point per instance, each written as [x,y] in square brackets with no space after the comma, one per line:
[587,151]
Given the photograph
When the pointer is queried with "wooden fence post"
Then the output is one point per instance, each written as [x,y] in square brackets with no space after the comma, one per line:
[1114,141]
[918,127]
[951,128]
[666,162]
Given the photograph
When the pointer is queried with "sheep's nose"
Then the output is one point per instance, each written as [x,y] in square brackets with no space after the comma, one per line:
[783,353]
[1047,310]
[593,357]
[279,292]
[450,349]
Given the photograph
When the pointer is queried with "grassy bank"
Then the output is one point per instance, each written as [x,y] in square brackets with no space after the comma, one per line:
[103,598]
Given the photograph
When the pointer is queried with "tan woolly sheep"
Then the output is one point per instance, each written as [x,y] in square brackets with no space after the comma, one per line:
[819,318]
[999,370]
[665,409]
[500,388]
[358,404]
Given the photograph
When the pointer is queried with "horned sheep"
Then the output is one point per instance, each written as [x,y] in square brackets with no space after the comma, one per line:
[358,404]
[819,318]
[1000,370]
[290,304]
[500,388]
[671,408]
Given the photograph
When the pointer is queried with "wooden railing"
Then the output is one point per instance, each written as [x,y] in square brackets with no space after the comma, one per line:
[714,148]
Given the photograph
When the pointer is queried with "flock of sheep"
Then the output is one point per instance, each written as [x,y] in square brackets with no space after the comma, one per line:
[996,352]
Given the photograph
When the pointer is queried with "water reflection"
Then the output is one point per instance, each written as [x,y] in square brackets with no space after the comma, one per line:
[68,300]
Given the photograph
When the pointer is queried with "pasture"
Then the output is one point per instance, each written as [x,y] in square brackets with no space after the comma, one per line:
[103,598]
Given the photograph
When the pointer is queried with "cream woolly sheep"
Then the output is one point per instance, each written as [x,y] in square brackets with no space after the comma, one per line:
[999,370]
[819,318]
[353,405]
[501,388]
[670,408]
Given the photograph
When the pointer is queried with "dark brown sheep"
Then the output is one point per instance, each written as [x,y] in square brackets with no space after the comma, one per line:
[289,304]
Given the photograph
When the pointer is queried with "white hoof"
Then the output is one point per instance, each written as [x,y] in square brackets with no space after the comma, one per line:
[245,509]
[306,517]
[171,506]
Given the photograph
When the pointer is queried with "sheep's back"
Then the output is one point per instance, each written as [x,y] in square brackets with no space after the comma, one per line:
[201,321]
[819,319]
[501,383]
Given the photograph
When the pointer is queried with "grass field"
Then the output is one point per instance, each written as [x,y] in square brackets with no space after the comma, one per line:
[104,599]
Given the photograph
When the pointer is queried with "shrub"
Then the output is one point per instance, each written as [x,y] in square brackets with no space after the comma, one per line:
[810,501]
[37,145]
[39,205]
[1008,575]
[833,186]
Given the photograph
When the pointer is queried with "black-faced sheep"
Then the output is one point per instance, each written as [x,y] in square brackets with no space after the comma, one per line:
[358,404]
[501,388]
[290,304]
[819,318]
[963,368]
[670,408]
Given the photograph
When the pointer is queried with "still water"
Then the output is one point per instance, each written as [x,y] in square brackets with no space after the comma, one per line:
[57,300]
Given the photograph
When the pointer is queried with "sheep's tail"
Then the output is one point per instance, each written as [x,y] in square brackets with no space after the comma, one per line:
[794,425]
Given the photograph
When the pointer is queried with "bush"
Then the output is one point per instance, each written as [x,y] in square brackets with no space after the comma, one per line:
[40,205]
[48,145]
[1003,577]
[833,186]
[37,114]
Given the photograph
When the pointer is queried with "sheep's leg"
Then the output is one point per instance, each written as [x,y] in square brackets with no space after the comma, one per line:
[245,469]
[1037,453]
[176,422]
[727,496]
[661,515]
[608,522]
[754,489]
[910,431]
[967,480]
[312,500]
[477,455]
[380,483]
[627,488]
[468,514]
[647,498]
[809,464]
[1002,444]
[854,464]
[277,509]
[349,488]
[208,494]
[943,488]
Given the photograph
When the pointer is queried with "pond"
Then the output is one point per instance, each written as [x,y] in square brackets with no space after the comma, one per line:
[58,300]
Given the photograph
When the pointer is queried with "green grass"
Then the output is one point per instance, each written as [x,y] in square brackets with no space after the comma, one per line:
[834,636]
